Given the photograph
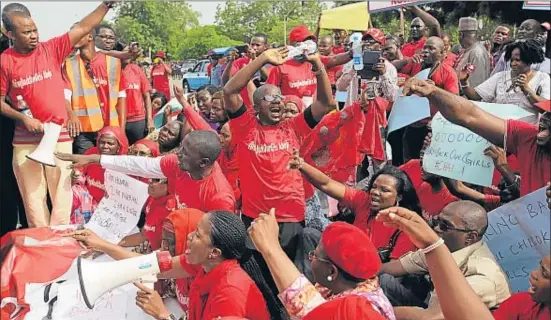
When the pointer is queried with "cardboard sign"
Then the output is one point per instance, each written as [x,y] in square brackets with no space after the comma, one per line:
[409,109]
[457,153]
[519,237]
[119,210]
[379,6]
[537,5]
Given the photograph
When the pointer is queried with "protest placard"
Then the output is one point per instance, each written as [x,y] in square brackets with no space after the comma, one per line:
[518,236]
[119,210]
[410,109]
[175,108]
[537,5]
[458,153]
[379,6]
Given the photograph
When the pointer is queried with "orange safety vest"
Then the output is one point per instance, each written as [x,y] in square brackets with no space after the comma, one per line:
[85,101]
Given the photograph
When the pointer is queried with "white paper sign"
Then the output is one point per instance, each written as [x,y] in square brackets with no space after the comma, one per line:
[378,6]
[457,153]
[119,210]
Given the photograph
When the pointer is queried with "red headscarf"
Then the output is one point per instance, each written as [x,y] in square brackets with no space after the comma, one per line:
[350,307]
[119,135]
[151,145]
[184,222]
[296,100]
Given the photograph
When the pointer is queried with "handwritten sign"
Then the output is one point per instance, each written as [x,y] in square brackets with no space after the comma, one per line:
[537,5]
[379,6]
[458,153]
[519,237]
[410,109]
[119,211]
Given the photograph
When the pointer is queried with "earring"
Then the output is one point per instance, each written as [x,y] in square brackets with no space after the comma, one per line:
[329,278]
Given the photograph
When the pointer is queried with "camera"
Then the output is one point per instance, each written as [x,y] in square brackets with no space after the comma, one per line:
[370,59]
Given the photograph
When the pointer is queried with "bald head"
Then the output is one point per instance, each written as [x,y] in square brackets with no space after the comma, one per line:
[263,91]
[417,28]
[205,143]
[472,215]
[436,42]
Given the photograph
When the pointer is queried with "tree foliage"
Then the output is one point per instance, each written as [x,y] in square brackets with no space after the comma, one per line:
[239,19]
[155,24]
[197,41]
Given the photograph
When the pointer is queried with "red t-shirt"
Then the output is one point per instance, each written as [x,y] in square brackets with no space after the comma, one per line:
[520,306]
[265,181]
[211,193]
[432,203]
[135,84]
[156,210]
[535,168]
[226,291]
[229,165]
[95,177]
[410,48]
[513,164]
[236,66]
[294,78]
[37,77]
[209,69]
[159,78]
[359,202]
[337,49]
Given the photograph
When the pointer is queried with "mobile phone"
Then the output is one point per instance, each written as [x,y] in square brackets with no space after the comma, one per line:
[370,58]
[242,49]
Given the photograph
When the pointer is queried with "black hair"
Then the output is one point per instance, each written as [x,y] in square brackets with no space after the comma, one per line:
[16,9]
[347,276]
[530,51]
[160,95]
[261,35]
[207,144]
[210,88]
[404,187]
[229,235]
[103,26]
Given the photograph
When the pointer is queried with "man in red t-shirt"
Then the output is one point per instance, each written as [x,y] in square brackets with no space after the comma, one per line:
[160,72]
[194,177]
[32,70]
[82,127]
[265,144]
[326,50]
[418,26]
[139,118]
[529,143]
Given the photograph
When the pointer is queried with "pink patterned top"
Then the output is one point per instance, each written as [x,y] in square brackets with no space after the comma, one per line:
[301,297]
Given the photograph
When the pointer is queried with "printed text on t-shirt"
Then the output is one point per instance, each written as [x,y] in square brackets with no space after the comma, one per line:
[265,148]
[22,82]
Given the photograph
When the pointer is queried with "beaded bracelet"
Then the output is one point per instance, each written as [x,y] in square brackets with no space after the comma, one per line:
[433,246]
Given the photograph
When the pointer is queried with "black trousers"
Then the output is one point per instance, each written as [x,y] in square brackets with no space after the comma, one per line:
[84,141]
[135,131]
[413,142]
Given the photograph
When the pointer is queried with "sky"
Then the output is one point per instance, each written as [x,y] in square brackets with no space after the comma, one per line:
[56,17]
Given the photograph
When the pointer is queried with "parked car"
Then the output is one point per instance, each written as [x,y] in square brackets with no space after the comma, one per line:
[196,77]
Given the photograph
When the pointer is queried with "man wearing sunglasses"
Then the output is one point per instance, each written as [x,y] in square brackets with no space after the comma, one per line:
[461,225]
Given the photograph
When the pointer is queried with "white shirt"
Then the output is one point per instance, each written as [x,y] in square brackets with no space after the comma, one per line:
[134,165]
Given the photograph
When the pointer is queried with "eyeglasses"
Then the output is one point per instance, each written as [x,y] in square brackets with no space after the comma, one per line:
[312,256]
[273,97]
[445,226]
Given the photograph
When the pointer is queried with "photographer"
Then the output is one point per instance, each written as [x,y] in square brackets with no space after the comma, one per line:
[373,40]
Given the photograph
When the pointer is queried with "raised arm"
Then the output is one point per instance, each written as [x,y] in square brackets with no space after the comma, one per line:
[325,184]
[86,25]
[338,60]
[232,99]
[459,110]
[194,119]
[324,97]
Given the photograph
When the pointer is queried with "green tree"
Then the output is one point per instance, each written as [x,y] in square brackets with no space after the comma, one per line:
[196,42]
[155,24]
[239,19]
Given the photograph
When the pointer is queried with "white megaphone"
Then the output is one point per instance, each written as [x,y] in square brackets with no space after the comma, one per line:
[44,153]
[97,278]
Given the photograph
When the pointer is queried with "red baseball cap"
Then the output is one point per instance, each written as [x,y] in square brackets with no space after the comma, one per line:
[160,54]
[351,249]
[376,34]
[299,34]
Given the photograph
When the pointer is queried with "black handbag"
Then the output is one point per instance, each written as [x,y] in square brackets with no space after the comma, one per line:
[384,253]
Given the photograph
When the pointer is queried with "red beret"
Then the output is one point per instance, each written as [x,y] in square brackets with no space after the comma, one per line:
[299,34]
[160,54]
[351,250]
[376,34]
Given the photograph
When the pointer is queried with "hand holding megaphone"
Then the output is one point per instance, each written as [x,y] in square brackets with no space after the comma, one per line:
[151,302]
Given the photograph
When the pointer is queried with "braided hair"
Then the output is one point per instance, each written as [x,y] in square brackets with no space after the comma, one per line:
[531,51]
[229,235]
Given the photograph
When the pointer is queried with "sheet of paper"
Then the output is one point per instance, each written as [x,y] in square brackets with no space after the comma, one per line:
[458,153]
[119,211]
[519,237]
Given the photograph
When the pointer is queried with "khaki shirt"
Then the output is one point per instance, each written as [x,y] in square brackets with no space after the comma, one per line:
[479,267]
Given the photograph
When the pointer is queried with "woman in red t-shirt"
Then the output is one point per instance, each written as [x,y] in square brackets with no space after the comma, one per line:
[160,73]
[389,187]
[111,141]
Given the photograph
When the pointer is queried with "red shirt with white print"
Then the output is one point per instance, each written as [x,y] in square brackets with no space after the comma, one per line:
[135,84]
[159,78]
[211,193]
[265,180]
[156,210]
[411,48]
[294,78]
[37,77]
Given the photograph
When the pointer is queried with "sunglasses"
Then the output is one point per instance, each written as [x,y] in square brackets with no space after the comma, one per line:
[312,256]
[273,97]
[445,226]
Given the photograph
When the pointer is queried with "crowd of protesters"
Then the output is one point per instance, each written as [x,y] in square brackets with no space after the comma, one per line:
[274,200]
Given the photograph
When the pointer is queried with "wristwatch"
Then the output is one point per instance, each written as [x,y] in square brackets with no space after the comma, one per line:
[170,317]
